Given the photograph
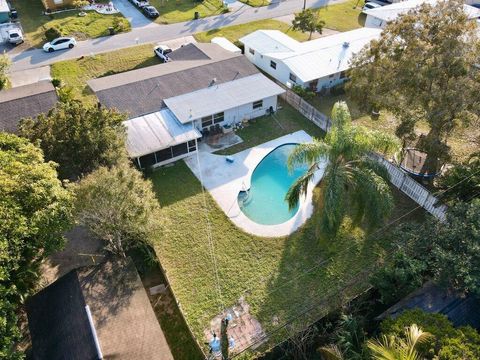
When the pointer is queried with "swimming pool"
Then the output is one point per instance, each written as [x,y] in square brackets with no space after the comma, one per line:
[265,202]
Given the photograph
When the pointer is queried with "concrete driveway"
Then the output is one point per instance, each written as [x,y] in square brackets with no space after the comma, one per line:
[134,16]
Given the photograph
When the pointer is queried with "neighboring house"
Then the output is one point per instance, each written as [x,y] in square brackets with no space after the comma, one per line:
[379,17]
[57,4]
[4,12]
[203,88]
[316,64]
[460,310]
[122,324]
[25,101]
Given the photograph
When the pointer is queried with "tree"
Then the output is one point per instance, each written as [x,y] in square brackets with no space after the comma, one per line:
[462,181]
[352,179]
[119,207]
[399,348]
[308,21]
[422,69]
[35,211]
[77,137]
[4,66]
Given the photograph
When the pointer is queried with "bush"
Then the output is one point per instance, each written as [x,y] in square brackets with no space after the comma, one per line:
[337,90]
[52,33]
[303,93]
[56,82]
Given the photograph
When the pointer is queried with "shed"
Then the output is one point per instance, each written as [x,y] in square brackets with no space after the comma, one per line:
[226,44]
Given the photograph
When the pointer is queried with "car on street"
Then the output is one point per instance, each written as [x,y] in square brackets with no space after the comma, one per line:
[162,52]
[150,12]
[370,5]
[140,3]
[60,44]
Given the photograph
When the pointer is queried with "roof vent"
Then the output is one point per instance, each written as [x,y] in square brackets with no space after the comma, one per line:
[213,82]
[346,44]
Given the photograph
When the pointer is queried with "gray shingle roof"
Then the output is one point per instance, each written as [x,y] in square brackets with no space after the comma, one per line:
[142,91]
[25,101]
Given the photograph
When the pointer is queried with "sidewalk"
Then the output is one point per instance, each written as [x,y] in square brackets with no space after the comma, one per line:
[35,58]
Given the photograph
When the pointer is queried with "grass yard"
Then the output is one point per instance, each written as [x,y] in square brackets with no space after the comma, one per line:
[76,73]
[34,23]
[173,11]
[464,140]
[344,16]
[235,32]
[270,273]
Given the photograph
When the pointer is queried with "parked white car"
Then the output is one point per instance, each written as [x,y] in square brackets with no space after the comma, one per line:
[59,44]
[140,3]
[15,36]
[162,52]
[370,5]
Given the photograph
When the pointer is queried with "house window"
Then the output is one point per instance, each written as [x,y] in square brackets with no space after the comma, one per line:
[292,77]
[207,121]
[251,51]
[273,64]
[165,154]
[343,75]
[258,104]
[192,146]
[218,118]
[179,149]
[331,76]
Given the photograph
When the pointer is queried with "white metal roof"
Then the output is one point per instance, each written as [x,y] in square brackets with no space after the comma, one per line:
[270,41]
[225,96]
[392,11]
[4,6]
[226,44]
[160,130]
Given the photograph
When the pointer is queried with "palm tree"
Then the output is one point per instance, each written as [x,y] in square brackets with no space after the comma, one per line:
[399,348]
[352,179]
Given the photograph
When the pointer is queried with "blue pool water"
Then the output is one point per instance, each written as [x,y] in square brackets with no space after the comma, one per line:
[265,202]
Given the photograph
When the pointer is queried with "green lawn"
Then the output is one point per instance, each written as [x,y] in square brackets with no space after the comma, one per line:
[344,16]
[235,32]
[75,73]
[269,272]
[173,11]
[34,23]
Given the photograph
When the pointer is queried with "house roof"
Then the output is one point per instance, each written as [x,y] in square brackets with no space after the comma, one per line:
[149,133]
[461,310]
[4,6]
[313,59]
[125,323]
[392,11]
[226,44]
[25,101]
[142,91]
[221,97]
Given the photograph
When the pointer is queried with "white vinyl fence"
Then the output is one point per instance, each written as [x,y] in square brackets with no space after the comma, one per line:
[398,177]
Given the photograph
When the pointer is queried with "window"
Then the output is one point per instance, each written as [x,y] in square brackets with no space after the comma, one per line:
[273,64]
[258,104]
[331,76]
[164,154]
[180,149]
[343,75]
[207,121]
[218,118]
[147,160]
[251,51]
[192,146]
[292,77]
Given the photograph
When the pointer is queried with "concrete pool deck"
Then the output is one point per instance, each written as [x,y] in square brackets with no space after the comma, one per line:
[225,180]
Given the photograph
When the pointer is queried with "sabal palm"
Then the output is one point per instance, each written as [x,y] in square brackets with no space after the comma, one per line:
[399,348]
[352,178]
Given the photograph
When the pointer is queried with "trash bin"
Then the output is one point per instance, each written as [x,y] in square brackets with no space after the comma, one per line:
[14,14]
[111,31]
[196,16]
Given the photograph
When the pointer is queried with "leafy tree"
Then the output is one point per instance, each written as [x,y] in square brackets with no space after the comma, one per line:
[400,277]
[4,66]
[423,69]
[400,347]
[77,137]
[119,207]
[35,210]
[352,179]
[462,181]
[308,21]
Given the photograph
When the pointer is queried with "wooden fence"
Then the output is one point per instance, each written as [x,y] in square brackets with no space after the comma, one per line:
[398,177]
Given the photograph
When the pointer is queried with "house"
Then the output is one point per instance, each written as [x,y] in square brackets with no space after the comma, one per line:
[96,312]
[226,44]
[57,4]
[317,64]
[25,101]
[204,88]
[460,310]
[4,12]
[379,17]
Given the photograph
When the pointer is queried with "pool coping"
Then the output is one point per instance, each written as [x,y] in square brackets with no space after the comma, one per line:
[225,180]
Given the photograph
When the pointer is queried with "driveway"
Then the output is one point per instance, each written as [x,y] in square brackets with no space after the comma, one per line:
[134,16]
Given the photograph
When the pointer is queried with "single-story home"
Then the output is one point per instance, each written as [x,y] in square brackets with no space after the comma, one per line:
[4,11]
[96,312]
[25,101]
[57,4]
[316,64]
[204,87]
[379,17]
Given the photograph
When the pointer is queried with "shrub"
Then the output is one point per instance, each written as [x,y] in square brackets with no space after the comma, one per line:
[52,33]
[303,93]
[56,82]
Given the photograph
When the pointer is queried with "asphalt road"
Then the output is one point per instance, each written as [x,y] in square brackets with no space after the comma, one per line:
[141,35]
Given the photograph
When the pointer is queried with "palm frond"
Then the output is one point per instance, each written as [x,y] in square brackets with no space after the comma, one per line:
[334,192]
[299,187]
[383,349]
[376,166]
[341,115]
[331,352]
[307,153]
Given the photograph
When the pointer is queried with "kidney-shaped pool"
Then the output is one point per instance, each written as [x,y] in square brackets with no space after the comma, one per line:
[265,201]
